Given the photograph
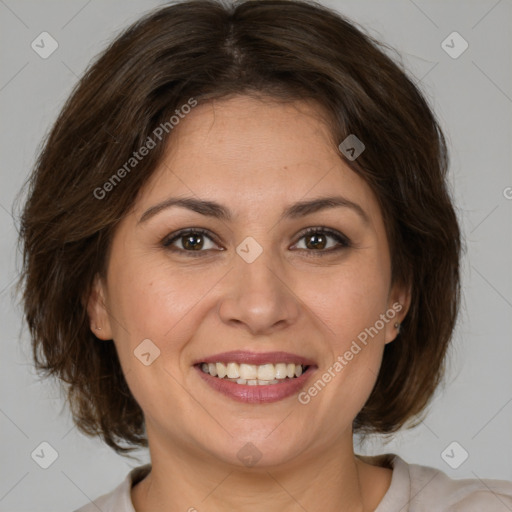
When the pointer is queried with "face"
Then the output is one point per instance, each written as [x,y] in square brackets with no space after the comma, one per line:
[185,284]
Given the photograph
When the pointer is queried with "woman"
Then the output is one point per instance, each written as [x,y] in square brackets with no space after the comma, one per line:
[240,250]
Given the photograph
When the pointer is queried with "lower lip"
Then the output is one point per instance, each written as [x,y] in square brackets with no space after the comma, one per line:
[265,393]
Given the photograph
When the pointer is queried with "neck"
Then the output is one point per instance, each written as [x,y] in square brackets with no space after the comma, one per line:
[334,480]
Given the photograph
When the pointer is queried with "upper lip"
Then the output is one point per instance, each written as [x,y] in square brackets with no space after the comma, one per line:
[256,358]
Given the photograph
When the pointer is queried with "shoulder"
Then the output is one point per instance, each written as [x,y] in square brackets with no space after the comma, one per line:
[416,488]
[119,499]
[431,489]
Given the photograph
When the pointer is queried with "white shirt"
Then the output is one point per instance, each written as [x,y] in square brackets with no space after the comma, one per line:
[413,488]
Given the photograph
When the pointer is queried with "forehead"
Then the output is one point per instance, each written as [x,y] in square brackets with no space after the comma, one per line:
[244,151]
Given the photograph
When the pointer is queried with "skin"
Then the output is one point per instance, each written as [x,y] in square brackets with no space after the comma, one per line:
[255,157]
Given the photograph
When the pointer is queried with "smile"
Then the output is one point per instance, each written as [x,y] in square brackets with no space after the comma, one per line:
[254,375]
[256,390]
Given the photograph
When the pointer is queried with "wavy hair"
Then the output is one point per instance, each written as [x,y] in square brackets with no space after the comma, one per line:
[210,49]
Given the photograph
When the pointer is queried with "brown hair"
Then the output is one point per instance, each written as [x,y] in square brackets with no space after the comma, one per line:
[204,49]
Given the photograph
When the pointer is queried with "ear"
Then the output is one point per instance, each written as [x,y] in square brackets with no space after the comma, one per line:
[97,310]
[398,304]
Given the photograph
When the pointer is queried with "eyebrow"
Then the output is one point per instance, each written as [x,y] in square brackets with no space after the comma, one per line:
[217,211]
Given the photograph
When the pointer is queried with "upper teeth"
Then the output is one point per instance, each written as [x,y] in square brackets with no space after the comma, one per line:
[251,371]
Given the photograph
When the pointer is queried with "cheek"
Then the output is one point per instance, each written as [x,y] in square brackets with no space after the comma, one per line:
[149,304]
[149,297]
[352,298]
[352,308]
[152,301]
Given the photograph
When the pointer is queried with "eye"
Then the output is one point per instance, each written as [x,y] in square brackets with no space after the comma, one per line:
[318,240]
[191,240]
[198,240]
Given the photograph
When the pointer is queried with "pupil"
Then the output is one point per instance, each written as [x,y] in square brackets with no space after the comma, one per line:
[316,239]
[189,244]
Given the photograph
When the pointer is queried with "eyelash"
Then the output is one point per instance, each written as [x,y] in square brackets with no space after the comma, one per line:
[341,239]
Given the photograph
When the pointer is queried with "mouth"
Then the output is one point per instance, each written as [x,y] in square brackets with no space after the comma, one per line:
[254,375]
[255,378]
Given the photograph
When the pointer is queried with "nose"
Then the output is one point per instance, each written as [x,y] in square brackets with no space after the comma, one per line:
[258,297]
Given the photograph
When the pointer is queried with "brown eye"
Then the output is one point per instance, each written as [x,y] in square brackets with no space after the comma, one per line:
[317,240]
[193,242]
[190,240]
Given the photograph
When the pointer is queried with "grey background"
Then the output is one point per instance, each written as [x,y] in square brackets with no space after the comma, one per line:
[472,96]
